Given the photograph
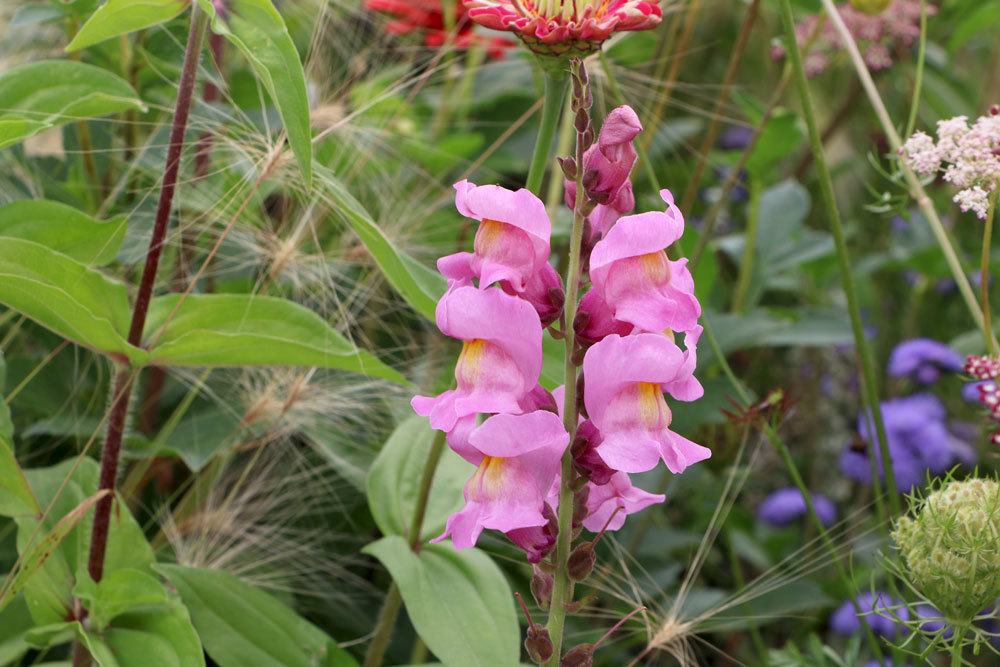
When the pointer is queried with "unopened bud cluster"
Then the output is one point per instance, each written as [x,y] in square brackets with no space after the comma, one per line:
[987,370]
[950,547]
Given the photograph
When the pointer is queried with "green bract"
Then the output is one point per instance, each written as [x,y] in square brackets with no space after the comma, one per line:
[951,547]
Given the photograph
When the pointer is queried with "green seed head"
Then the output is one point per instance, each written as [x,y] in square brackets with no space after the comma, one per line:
[950,547]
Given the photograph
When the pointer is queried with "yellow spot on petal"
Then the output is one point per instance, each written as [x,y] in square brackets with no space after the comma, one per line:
[469,367]
[653,410]
[487,481]
[655,266]
[490,235]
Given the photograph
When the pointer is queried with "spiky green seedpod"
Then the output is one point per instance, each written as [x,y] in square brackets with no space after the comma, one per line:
[950,547]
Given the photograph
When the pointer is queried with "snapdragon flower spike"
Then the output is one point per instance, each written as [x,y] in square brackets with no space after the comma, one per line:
[608,504]
[565,27]
[611,161]
[501,357]
[512,242]
[623,394]
[636,281]
[519,458]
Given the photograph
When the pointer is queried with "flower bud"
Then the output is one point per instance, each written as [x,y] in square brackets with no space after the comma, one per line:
[568,166]
[581,562]
[995,110]
[537,643]
[871,6]
[578,656]
[541,587]
[582,120]
[950,549]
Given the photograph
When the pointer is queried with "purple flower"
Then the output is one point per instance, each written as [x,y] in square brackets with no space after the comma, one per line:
[784,506]
[933,620]
[923,359]
[883,614]
[970,390]
[735,138]
[918,437]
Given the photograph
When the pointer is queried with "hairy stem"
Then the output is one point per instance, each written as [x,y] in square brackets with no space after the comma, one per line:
[123,378]
[867,363]
[555,90]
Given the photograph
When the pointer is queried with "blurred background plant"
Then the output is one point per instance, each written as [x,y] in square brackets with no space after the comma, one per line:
[275,478]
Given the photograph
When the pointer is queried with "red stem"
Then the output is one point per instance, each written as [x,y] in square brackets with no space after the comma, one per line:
[123,378]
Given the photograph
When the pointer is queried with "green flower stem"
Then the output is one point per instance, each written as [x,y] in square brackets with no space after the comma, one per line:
[619,99]
[956,647]
[393,602]
[916,187]
[564,143]
[562,587]
[555,90]
[918,80]
[749,246]
[984,277]
[870,385]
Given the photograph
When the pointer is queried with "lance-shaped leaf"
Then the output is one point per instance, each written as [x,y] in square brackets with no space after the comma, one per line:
[16,498]
[73,300]
[242,626]
[55,92]
[214,330]
[256,28]
[64,229]
[160,637]
[14,130]
[419,285]
[459,601]
[118,17]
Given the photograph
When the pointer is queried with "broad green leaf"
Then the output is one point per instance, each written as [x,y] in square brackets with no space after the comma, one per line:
[242,626]
[61,91]
[63,295]
[215,330]
[121,591]
[118,17]
[35,553]
[161,637]
[419,285]
[16,498]
[64,229]
[196,439]
[15,623]
[459,601]
[256,28]
[394,481]
[15,130]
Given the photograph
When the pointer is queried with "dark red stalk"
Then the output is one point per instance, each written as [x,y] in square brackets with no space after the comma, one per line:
[123,378]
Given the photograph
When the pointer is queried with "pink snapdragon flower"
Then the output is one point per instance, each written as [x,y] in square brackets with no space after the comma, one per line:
[518,461]
[623,394]
[635,282]
[968,156]
[619,498]
[611,161]
[512,242]
[557,23]
[501,357]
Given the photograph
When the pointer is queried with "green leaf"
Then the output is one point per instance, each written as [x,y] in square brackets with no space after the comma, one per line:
[161,637]
[419,285]
[459,601]
[55,92]
[15,130]
[118,17]
[394,481]
[121,591]
[64,229]
[15,623]
[16,498]
[35,553]
[215,330]
[63,295]
[256,28]
[242,626]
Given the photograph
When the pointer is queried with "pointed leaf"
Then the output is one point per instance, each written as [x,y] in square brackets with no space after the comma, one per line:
[162,637]
[16,498]
[14,130]
[118,17]
[247,330]
[459,601]
[419,285]
[242,626]
[64,229]
[63,295]
[256,28]
[120,592]
[62,91]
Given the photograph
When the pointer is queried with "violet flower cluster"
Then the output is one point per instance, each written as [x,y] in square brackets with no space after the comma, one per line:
[878,35]
[500,298]
[967,156]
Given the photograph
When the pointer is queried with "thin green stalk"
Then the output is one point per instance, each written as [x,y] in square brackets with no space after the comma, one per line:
[984,277]
[393,602]
[956,647]
[918,81]
[916,187]
[562,587]
[555,90]
[564,143]
[749,246]
[737,568]
[870,384]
